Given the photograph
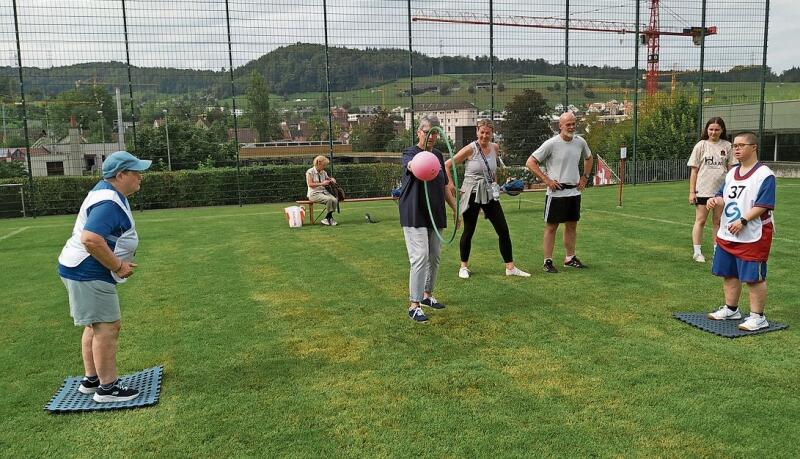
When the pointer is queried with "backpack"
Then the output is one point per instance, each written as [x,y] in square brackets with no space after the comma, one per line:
[338,193]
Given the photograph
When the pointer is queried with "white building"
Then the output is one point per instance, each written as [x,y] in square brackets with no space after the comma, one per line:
[458,119]
[72,155]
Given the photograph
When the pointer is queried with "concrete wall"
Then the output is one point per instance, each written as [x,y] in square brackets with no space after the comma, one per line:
[785,170]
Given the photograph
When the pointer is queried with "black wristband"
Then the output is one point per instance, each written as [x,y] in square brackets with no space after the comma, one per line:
[743,221]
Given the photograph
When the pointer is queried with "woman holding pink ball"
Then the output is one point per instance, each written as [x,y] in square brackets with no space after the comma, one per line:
[422,243]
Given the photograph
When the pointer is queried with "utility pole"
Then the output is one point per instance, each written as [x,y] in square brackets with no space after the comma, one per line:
[166,128]
[120,126]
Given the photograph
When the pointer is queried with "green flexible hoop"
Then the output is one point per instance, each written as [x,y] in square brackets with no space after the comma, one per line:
[455,183]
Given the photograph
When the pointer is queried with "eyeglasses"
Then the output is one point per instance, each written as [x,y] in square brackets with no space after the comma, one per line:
[739,146]
[429,131]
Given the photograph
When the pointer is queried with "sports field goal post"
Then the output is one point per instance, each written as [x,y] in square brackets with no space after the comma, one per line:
[21,188]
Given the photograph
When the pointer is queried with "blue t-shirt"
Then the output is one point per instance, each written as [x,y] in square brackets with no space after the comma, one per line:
[108,220]
[412,204]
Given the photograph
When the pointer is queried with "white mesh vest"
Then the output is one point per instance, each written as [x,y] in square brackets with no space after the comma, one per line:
[74,252]
[739,196]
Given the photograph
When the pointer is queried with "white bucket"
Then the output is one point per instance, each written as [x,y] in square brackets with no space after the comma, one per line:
[295,215]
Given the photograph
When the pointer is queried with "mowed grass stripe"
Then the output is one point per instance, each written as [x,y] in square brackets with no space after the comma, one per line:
[294,342]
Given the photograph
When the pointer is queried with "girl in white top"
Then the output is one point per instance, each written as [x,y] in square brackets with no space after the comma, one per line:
[710,161]
[316,180]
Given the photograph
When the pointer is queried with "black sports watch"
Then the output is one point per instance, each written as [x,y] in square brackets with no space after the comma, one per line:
[743,221]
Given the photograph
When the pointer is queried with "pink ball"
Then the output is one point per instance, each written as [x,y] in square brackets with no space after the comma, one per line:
[425,166]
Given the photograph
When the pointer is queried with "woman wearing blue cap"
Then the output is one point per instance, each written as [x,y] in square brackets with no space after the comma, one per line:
[97,257]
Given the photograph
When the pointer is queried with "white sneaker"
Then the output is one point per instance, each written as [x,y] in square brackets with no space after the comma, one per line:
[325,222]
[754,322]
[463,272]
[725,313]
[332,222]
[517,272]
[698,257]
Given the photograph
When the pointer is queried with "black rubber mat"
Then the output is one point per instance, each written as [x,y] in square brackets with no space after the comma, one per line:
[725,328]
[69,399]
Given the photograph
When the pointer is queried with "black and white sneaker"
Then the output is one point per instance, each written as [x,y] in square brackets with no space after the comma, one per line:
[432,303]
[89,386]
[116,393]
[548,267]
[574,263]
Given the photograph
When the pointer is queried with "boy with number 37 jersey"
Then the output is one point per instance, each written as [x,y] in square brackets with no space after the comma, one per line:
[744,238]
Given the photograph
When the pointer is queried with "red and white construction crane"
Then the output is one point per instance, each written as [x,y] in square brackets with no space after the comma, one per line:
[649,33]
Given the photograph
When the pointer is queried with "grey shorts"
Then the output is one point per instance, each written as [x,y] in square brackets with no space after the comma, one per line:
[91,302]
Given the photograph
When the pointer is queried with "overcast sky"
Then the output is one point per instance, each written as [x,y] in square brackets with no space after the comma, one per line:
[193,33]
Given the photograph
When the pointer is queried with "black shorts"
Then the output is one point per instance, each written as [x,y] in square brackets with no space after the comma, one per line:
[698,201]
[560,210]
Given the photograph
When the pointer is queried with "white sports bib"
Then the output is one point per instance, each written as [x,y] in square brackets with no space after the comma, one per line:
[739,196]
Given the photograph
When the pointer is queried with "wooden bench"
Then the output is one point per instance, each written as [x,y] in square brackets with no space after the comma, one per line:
[310,204]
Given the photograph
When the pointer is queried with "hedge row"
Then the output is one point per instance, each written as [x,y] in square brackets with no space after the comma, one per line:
[211,187]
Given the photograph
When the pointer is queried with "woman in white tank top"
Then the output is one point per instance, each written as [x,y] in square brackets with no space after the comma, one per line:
[480,192]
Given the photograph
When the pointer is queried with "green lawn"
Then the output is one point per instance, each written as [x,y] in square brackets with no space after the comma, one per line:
[281,342]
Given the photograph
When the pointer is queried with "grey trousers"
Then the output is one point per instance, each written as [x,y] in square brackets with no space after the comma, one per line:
[326,198]
[423,253]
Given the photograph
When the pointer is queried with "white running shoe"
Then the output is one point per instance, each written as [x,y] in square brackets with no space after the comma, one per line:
[725,313]
[325,222]
[698,257]
[517,272]
[463,272]
[754,322]
[332,222]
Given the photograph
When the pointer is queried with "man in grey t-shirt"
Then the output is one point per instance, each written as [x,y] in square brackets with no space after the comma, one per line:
[560,157]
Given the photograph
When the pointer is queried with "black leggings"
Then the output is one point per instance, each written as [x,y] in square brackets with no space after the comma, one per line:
[494,212]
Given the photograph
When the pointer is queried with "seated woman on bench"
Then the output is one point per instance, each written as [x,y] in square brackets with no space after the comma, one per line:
[317,179]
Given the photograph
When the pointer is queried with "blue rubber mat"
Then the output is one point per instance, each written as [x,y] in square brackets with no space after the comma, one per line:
[68,399]
[725,328]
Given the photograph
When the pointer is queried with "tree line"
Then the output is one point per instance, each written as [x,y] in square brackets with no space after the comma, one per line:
[301,68]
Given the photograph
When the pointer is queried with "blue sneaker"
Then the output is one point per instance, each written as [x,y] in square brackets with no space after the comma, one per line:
[431,303]
[116,393]
[417,315]
[89,386]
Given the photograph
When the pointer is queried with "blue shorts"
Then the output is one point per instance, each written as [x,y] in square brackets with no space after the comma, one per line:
[727,265]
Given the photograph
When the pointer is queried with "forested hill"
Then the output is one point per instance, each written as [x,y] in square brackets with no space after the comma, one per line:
[301,67]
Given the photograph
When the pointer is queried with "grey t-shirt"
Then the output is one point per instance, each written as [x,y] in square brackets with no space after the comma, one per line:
[560,160]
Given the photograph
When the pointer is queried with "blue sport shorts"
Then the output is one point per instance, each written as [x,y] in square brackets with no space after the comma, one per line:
[727,265]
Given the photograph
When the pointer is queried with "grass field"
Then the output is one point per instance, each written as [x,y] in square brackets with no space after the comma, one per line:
[279,342]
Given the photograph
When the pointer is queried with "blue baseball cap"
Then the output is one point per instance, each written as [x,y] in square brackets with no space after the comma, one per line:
[120,161]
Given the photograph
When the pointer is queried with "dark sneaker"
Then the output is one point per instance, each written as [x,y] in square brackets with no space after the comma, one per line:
[431,303]
[574,263]
[417,315]
[88,387]
[116,393]
[548,267]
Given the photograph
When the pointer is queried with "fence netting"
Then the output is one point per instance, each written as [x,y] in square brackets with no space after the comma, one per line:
[233,99]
